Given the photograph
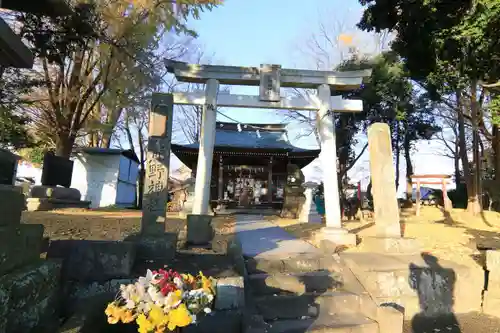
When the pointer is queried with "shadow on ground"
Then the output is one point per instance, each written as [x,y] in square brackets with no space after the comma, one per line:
[434,285]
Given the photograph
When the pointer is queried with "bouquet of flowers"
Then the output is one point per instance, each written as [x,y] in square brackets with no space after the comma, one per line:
[162,300]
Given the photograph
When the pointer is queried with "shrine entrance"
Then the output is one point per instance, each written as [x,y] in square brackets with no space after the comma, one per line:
[270,79]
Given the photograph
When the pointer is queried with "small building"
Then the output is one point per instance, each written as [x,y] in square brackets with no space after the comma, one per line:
[106,177]
[249,158]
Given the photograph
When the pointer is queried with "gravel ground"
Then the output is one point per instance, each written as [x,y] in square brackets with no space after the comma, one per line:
[118,224]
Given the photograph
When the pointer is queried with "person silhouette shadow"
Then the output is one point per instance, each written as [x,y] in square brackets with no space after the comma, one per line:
[434,285]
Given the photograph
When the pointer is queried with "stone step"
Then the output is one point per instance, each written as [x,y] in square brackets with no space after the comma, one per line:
[273,307]
[345,323]
[300,263]
[296,283]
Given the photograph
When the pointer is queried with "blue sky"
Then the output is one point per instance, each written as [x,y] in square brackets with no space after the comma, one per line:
[249,33]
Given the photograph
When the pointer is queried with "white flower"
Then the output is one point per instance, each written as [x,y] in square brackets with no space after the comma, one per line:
[210,297]
[178,283]
[155,295]
[169,302]
[129,304]
[140,290]
[207,310]
[146,280]
[143,307]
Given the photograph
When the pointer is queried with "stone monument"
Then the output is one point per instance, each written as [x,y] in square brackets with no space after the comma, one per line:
[55,191]
[157,164]
[294,197]
[387,221]
[308,212]
[152,242]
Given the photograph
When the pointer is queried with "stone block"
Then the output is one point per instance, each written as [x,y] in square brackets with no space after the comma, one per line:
[80,293]
[37,317]
[199,229]
[45,204]
[493,263]
[89,317]
[93,260]
[30,284]
[230,293]
[12,204]
[216,322]
[19,245]
[391,245]
[29,298]
[335,238]
[52,192]
[491,303]
[156,247]
[428,286]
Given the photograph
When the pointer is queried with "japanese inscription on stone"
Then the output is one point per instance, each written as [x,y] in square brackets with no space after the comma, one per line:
[157,161]
[270,83]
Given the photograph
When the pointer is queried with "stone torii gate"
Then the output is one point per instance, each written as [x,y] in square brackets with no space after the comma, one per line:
[270,78]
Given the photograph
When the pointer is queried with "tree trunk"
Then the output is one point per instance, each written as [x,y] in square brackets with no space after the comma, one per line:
[456,160]
[495,144]
[474,200]
[471,195]
[64,145]
[142,174]
[409,171]
[397,152]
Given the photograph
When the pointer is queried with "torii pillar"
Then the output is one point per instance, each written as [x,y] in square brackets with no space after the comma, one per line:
[326,127]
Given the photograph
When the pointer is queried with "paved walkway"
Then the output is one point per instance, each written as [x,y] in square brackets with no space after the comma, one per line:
[260,238]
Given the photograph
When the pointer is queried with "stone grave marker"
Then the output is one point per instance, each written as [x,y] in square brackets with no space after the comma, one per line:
[8,167]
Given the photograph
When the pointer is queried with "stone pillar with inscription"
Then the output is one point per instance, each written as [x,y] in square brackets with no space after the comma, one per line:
[157,164]
[201,203]
[383,175]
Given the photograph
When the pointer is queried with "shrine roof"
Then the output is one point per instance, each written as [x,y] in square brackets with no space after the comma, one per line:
[252,137]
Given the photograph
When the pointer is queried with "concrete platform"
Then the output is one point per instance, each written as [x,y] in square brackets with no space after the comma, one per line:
[260,238]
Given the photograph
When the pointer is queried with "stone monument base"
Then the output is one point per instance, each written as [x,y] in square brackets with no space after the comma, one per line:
[43,198]
[199,229]
[390,245]
[337,236]
[292,205]
[422,284]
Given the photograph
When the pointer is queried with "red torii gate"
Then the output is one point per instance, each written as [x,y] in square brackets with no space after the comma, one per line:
[442,180]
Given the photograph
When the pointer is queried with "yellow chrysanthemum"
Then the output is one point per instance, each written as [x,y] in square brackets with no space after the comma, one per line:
[113,312]
[113,320]
[127,317]
[157,317]
[110,309]
[145,326]
[179,317]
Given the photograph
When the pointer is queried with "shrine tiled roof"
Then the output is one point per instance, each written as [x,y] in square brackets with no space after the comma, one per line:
[254,136]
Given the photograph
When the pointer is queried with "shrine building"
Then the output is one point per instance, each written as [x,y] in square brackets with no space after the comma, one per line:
[247,158]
